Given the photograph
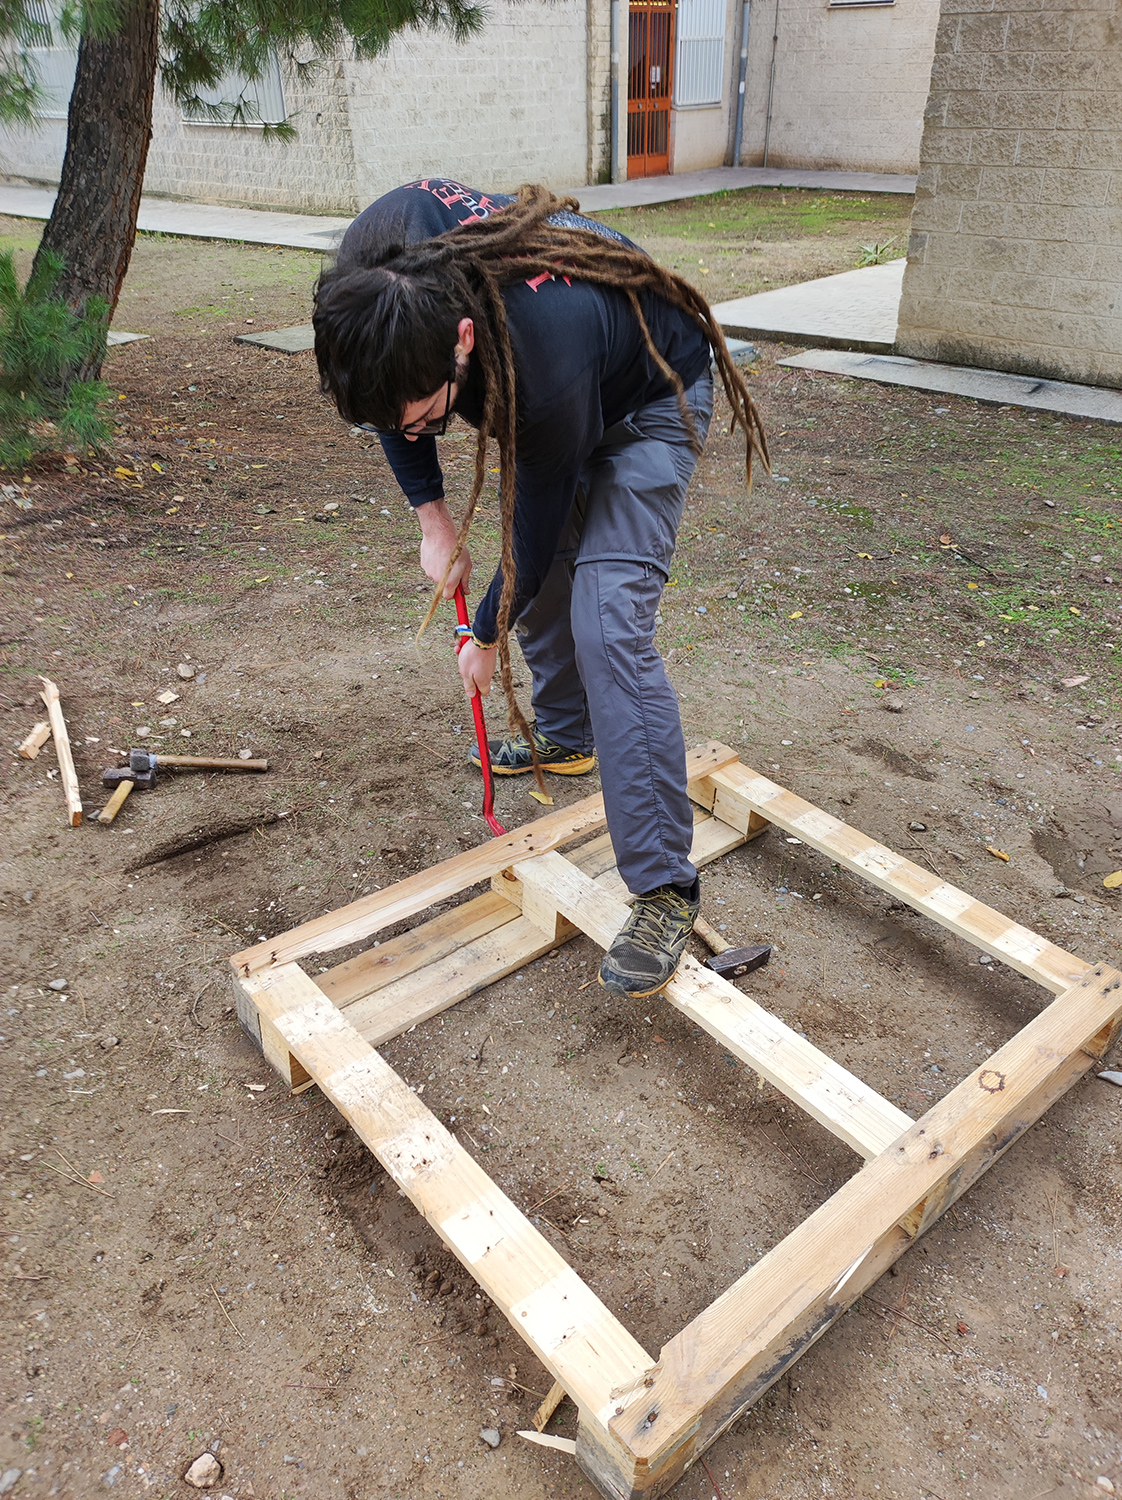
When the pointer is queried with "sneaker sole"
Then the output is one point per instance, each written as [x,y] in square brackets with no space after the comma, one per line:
[634,994]
[576,768]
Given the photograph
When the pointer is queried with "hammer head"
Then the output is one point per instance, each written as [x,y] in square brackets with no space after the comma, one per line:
[737,961]
[144,780]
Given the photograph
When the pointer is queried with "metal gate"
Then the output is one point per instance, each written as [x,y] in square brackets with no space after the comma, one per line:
[649,85]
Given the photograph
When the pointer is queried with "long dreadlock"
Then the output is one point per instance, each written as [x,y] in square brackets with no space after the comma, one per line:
[462,273]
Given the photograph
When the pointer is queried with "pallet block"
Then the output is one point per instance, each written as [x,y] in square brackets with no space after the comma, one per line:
[642,1421]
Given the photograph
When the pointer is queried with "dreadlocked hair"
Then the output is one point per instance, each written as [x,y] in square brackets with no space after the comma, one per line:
[385,330]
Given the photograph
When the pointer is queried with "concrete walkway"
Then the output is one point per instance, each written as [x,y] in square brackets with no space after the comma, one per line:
[958,380]
[257,226]
[643,190]
[853,310]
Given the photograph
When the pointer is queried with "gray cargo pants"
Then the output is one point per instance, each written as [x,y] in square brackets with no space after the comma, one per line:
[588,636]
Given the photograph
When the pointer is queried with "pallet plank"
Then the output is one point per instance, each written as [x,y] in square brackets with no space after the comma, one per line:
[459,969]
[67,774]
[734,793]
[727,1357]
[363,918]
[827,1091]
[565,1324]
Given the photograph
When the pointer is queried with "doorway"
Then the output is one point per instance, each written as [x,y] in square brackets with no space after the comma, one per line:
[649,86]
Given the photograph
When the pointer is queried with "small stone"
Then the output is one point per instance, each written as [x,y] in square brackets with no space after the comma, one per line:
[142,732]
[332,505]
[1112,1077]
[893,704]
[107,1043]
[58,984]
[204,1472]
[1103,1483]
[916,827]
[8,1480]
[491,1436]
[185,670]
[117,1438]
[167,696]
[245,754]
[111,1476]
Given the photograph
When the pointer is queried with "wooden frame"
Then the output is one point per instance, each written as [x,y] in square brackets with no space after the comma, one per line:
[642,1422]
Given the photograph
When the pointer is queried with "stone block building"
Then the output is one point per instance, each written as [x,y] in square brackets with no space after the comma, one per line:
[837,84]
[1015,258]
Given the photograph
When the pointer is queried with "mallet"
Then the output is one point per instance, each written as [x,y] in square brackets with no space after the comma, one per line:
[141,773]
[727,960]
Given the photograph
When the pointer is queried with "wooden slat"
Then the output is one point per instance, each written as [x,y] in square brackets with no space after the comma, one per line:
[361,919]
[389,1011]
[446,971]
[724,1360]
[826,1090]
[67,774]
[735,792]
[427,943]
[563,1321]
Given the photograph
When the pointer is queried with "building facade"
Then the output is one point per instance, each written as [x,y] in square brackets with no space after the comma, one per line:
[837,85]
[1015,257]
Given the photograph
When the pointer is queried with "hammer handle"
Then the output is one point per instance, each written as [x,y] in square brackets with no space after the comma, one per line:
[209,763]
[115,803]
[710,936]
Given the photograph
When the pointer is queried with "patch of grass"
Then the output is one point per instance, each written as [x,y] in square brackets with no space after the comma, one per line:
[758,213]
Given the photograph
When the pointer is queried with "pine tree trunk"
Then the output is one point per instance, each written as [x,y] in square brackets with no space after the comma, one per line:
[93,224]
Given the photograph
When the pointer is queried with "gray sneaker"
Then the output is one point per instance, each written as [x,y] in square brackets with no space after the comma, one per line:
[511,757]
[645,955]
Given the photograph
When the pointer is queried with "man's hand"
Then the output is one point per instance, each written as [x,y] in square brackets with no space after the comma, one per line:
[477,667]
[438,542]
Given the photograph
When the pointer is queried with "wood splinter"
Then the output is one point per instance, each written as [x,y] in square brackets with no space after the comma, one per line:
[50,697]
[553,1400]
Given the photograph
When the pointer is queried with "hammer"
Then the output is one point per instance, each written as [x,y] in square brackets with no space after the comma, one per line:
[727,960]
[141,773]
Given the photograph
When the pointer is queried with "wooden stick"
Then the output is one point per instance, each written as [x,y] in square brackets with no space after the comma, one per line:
[209,763]
[552,1401]
[35,741]
[547,1440]
[50,697]
[116,802]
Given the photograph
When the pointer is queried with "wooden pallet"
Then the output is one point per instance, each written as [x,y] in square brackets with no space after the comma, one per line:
[644,1421]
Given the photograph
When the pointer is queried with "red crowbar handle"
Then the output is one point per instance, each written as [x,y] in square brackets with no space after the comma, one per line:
[462,633]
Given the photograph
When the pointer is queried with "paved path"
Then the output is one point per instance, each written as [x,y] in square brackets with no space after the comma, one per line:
[257,226]
[207,221]
[957,380]
[644,190]
[854,310]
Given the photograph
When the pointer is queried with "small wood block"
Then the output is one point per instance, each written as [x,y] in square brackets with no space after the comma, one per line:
[554,1398]
[35,741]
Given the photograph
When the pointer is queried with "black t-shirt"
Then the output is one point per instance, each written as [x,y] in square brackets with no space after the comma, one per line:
[582,366]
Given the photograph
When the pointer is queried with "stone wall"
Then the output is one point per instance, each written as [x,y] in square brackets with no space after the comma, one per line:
[850,83]
[1015,260]
[505,108]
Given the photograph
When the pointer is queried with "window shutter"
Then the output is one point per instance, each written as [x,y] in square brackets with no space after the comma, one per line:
[263,96]
[700,64]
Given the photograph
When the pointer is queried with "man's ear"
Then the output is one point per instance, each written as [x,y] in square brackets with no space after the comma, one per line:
[465,337]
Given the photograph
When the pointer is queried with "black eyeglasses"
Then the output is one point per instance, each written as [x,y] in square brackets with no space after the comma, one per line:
[429,426]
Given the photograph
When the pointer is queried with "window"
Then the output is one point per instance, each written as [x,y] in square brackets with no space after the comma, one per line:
[54,65]
[262,98]
[700,65]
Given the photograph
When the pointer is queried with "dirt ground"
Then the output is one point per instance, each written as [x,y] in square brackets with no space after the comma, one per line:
[196,1260]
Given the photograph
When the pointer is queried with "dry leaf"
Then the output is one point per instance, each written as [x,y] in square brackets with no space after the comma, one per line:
[1077,681]
[96,1177]
[997,853]
[543,797]
[167,696]
[1113,881]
